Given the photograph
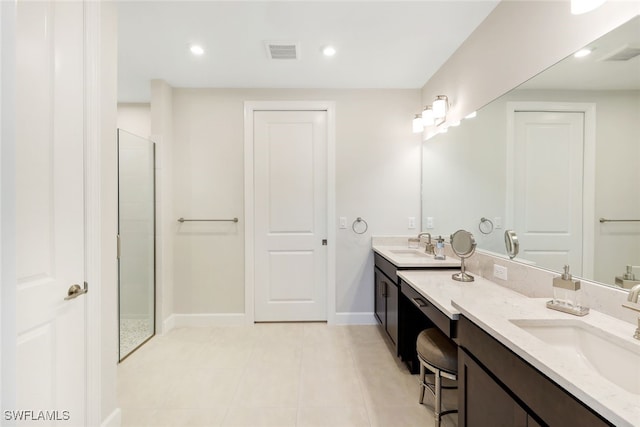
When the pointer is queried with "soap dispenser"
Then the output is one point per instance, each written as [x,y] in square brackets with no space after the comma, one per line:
[439,250]
[567,295]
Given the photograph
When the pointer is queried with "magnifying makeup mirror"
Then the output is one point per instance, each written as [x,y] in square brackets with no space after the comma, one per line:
[511,243]
[463,245]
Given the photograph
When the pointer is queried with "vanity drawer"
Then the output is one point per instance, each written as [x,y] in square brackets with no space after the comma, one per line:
[441,320]
[386,267]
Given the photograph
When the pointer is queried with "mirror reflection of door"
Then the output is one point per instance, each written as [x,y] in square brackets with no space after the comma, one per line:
[136,241]
[548,192]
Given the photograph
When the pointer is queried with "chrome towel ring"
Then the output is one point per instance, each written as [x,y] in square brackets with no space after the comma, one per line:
[485,226]
[359,220]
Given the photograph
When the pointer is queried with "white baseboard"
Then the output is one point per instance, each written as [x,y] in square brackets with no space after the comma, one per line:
[202,320]
[113,420]
[355,319]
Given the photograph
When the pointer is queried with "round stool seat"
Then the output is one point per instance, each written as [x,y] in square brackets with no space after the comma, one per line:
[438,350]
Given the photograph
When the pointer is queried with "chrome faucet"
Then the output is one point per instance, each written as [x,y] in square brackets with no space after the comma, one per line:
[633,304]
[429,246]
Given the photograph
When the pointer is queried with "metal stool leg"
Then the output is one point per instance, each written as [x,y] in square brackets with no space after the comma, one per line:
[438,404]
[435,388]
[423,384]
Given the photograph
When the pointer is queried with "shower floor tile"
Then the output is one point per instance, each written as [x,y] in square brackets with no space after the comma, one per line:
[133,332]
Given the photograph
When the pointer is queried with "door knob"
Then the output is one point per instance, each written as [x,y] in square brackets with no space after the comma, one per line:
[76,290]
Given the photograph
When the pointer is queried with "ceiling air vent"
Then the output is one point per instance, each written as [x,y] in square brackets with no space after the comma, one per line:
[623,53]
[282,50]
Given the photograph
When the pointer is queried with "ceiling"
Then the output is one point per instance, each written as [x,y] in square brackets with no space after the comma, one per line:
[595,72]
[380,44]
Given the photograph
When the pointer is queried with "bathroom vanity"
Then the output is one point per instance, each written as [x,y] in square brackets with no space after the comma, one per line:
[521,364]
[496,387]
[399,310]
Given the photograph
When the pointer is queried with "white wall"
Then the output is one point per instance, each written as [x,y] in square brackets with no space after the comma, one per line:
[518,40]
[161,122]
[377,175]
[135,118]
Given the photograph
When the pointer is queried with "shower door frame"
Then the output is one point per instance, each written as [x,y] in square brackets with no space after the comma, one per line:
[155,290]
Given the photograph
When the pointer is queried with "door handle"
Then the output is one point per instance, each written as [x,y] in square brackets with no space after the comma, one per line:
[75,291]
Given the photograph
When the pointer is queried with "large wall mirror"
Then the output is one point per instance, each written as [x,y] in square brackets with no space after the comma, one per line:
[557,160]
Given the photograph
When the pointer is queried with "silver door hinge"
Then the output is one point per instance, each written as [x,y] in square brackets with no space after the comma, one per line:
[324,242]
[118,246]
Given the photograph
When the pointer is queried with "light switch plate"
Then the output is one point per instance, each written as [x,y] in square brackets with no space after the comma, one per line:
[497,222]
[412,222]
[343,222]
[429,222]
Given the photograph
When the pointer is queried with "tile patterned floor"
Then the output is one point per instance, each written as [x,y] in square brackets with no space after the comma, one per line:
[277,374]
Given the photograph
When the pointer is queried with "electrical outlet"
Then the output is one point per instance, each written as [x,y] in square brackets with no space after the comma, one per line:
[499,271]
[412,222]
[429,222]
[343,222]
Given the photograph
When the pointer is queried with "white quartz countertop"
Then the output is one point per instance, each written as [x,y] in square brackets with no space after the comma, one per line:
[492,307]
[402,257]
[440,289]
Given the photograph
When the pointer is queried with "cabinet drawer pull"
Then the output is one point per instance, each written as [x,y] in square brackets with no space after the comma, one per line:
[419,302]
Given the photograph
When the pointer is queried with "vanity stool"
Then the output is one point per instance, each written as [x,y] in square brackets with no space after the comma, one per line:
[439,354]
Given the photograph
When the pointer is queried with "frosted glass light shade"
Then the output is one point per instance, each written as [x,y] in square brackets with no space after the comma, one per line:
[427,116]
[417,124]
[440,107]
[583,6]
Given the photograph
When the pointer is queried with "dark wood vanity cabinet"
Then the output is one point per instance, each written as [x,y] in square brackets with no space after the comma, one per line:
[403,313]
[386,302]
[498,388]
[386,297]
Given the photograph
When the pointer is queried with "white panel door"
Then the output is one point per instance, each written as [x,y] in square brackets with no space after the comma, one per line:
[51,367]
[548,192]
[290,169]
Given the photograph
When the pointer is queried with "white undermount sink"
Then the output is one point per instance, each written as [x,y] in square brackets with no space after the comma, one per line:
[613,358]
[414,253]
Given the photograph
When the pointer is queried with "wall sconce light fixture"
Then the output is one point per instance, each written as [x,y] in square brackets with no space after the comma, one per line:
[440,107]
[417,124]
[427,116]
[579,7]
[434,114]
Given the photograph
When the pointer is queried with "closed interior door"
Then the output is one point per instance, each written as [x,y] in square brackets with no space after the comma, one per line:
[290,170]
[548,191]
[51,368]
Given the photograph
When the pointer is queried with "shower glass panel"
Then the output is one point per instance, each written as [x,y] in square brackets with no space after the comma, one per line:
[136,241]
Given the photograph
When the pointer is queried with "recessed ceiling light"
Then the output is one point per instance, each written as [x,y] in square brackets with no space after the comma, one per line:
[582,53]
[196,49]
[329,51]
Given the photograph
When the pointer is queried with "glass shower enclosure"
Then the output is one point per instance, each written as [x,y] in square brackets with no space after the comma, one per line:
[136,241]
